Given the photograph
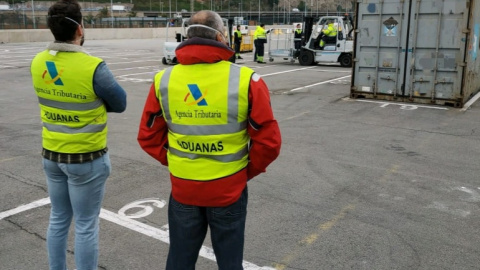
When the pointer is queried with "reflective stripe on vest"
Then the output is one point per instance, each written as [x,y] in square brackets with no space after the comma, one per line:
[207,118]
[71,106]
[69,130]
[74,117]
[224,158]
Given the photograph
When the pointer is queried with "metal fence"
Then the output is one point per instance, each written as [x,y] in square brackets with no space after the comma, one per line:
[20,21]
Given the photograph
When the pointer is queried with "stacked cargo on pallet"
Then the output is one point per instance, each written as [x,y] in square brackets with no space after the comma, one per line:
[420,51]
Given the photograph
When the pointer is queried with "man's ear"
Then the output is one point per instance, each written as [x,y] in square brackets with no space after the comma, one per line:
[219,37]
[79,31]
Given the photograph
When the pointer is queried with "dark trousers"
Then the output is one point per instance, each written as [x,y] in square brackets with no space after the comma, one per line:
[298,44]
[237,47]
[255,50]
[188,227]
[329,40]
[259,47]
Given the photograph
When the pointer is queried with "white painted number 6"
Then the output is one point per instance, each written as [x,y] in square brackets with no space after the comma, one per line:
[145,209]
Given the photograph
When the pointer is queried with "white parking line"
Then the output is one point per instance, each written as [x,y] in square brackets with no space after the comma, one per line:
[138,61]
[135,80]
[315,84]
[132,74]
[162,235]
[25,207]
[17,49]
[135,226]
[402,105]
[334,71]
[125,77]
[131,68]
[470,102]
[16,62]
[286,71]
[159,234]
[11,57]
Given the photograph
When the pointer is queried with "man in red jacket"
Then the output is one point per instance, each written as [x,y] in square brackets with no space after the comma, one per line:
[211,122]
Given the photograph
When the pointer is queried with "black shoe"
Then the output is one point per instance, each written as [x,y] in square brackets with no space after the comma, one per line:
[239,57]
[260,62]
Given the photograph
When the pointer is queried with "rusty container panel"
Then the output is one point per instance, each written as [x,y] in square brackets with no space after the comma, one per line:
[421,51]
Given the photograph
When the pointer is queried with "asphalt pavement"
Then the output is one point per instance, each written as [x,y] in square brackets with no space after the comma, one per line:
[359,184]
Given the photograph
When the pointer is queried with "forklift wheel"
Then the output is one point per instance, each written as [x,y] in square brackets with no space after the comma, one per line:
[271,59]
[345,60]
[305,58]
[164,61]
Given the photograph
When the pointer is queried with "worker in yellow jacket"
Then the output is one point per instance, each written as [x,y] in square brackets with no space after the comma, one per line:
[328,35]
[259,40]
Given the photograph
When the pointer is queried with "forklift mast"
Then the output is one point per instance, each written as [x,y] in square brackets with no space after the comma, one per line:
[308,27]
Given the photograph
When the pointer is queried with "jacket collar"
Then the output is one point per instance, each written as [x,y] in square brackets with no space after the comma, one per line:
[65,47]
[201,50]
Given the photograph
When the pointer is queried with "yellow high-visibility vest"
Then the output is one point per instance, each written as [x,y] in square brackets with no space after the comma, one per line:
[330,31]
[260,33]
[205,107]
[239,34]
[74,118]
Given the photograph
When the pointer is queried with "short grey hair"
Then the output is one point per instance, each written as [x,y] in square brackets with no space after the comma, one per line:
[207,18]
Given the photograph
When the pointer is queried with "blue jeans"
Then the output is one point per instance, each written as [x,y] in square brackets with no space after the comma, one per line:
[76,191]
[188,227]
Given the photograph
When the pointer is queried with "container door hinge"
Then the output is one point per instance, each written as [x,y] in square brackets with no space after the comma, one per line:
[462,64]
[466,31]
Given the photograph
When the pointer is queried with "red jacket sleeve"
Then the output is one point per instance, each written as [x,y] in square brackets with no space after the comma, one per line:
[153,131]
[263,128]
